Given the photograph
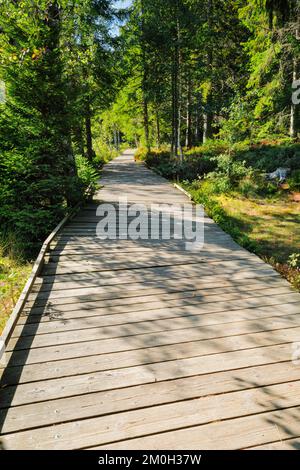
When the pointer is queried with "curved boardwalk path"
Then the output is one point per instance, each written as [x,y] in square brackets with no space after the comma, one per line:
[143,345]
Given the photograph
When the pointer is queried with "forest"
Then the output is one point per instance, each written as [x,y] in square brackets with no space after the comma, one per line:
[207,91]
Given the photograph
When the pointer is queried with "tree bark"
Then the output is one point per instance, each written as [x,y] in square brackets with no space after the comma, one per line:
[198,115]
[176,141]
[78,132]
[208,115]
[294,108]
[158,142]
[179,147]
[174,144]
[188,136]
[89,139]
[144,80]
[293,118]
[146,122]
[207,124]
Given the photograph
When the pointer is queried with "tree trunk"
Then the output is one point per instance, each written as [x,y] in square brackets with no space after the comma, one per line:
[198,120]
[294,107]
[157,130]
[146,122]
[89,139]
[144,80]
[208,115]
[177,93]
[174,144]
[188,136]
[79,139]
[207,124]
[119,139]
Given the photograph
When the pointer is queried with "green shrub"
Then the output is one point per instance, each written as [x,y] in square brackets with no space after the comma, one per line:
[103,152]
[294,261]
[141,154]
[87,174]
[229,173]
[194,164]
[294,181]
[268,157]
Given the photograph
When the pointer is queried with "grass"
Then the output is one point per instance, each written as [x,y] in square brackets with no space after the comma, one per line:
[273,226]
[13,276]
[269,227]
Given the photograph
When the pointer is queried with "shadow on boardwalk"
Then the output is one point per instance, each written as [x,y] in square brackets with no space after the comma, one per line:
[119,316]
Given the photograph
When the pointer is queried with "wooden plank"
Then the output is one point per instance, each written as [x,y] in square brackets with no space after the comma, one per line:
[141,396]
[127,377]
[231,434]
[130,331]
[82,267]
[60,324]
[135,289]
[142,341]
[201,281]
[106,307]
[287,444]
[148,295]
[124,297]
[115,360]
[163,273]
[159,419]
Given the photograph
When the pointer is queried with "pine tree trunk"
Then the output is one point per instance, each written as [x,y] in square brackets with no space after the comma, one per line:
[89,138]
[198,120]
[208,115]
[78,132]
[178,148]
[146,122]
[207,124]
[188,137]
[293,131]
[175,104]
[294,108]
[157,129]
[144,80]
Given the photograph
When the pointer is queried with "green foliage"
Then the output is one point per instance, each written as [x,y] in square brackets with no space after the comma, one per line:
[50,62]
[294,181]
[229,173]
[270,155]
[104,152]
[193,165]
[87,174]
[241,166]
[294,261]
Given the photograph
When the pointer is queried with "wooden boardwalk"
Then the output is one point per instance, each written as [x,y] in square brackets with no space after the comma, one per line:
[144,345]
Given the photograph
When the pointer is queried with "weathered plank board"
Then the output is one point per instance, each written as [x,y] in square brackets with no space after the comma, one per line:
[142,396]
[88,363]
